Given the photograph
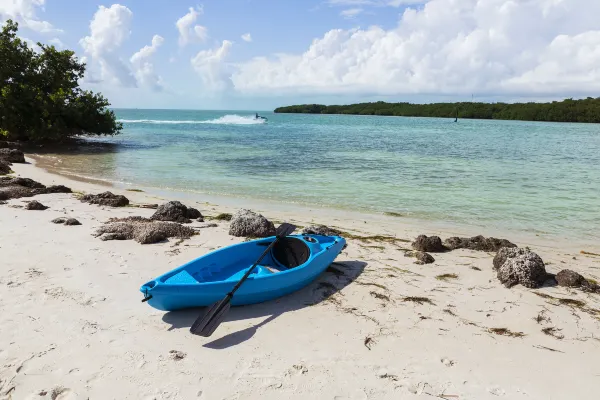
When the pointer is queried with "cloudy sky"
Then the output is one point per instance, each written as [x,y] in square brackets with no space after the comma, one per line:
[259,54]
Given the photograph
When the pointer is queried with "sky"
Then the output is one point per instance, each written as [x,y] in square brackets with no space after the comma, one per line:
[260,54]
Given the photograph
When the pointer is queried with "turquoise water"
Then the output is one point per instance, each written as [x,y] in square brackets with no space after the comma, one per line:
[509,175]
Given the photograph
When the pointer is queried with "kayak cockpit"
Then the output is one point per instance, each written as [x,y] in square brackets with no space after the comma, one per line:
[288,253]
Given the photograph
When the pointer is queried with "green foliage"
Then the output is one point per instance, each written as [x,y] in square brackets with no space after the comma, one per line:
[40,98]
[569,110]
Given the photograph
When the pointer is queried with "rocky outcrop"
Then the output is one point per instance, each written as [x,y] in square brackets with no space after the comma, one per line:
[58,189]
[9,145]
[320,230]
[142,230]
[572,279]
[12,155]
[519,266]
[431,244]
[569,278]
[4,167]
[174,211]
[106,199]
[478,243]
[66,221]
[35,205]
[423,258]
[248,223]
[17,187]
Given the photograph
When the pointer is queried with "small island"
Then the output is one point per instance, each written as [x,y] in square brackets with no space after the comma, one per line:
[568,110]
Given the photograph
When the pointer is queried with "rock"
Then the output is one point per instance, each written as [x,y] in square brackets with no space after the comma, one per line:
[151,206]
[431,244]
[248,223]
[58,189]
[569,278]
[478,243]
[2,202]
[35,205]
[142,230]
[177,355]
[176,212]
[106,199]
[60,220]
[12,155]
[320,230]
[423,258]
[113,236]
[519,266]
[72,222]
[9,145]
[18,181]
[4,167]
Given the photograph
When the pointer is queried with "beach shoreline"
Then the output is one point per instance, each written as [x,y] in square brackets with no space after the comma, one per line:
[375,325]
[361,221]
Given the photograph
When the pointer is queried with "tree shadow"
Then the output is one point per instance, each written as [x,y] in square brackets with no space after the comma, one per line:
[337,276]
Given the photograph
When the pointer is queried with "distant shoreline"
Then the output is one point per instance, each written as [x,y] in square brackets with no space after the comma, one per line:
[568,110]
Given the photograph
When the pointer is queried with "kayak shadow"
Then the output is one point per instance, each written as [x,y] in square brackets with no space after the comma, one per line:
[337,276]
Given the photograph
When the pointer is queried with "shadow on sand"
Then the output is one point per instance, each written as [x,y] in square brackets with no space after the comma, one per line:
[335,278]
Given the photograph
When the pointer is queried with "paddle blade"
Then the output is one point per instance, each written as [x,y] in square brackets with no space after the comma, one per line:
[210,321]
[284,229]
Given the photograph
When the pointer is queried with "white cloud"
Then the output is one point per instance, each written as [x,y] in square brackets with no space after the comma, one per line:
[212,68]
[246,37]
[109,28]
[143,69]
[56,42]
[376,3]
[188,32]
[24,12]
[351,12]
[447,47]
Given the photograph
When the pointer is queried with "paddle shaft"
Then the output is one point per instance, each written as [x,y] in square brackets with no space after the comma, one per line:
[247,274]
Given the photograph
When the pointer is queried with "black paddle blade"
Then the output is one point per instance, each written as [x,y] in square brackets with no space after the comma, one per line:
[284,229]
[209,322]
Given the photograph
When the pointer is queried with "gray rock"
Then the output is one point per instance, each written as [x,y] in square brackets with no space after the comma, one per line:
[113,236]
[106,199]
[2,202]
[142,230]
[320,230]
[58,189]
[248,223]
[478,243]
[4,167]
[9,145]
[72,222]
[519,266]
[12,155]
[569,278]
[424,258]
[59,220]
[431,244]
[18,181]
[174,211]
[35,205]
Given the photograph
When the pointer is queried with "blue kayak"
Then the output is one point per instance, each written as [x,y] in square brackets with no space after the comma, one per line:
[292,263]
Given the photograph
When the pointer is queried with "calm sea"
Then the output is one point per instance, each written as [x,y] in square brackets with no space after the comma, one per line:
[515,176]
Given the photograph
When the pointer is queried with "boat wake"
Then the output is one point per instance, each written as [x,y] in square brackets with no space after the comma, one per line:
[230,119]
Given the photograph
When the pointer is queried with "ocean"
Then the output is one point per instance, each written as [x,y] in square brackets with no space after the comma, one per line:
[509,176]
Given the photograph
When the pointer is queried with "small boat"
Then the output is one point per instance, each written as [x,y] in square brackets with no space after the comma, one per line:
[292,263]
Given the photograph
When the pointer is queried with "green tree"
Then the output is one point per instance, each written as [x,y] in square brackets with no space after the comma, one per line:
[40,97]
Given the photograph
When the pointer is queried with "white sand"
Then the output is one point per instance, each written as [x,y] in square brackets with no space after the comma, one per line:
[72,324]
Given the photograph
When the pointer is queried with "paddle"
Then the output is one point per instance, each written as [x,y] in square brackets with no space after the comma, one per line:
[206,324]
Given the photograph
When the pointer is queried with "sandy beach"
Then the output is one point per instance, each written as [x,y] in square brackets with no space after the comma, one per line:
[375,326]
